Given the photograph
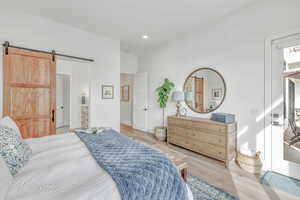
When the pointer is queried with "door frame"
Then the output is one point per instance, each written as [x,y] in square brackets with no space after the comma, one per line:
[267,156]
[70,93]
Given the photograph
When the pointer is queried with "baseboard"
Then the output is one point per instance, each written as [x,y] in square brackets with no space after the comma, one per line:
[127,123]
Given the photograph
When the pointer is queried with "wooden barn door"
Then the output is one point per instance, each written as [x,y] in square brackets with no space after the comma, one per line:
[29,91]
[199,83]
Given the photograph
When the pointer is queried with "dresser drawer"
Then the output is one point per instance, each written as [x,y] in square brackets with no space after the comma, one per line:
[205,127]
[212,150]
[180,123]
[197,136]
[199,147]
[215,129]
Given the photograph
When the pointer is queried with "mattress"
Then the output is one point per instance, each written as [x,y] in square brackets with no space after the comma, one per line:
[62,168]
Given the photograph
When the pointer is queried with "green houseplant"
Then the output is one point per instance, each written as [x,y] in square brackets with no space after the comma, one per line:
[163,93]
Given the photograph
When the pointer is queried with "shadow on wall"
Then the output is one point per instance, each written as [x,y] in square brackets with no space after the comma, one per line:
[248,137]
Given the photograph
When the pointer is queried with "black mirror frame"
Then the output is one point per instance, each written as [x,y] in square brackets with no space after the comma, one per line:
[225,89]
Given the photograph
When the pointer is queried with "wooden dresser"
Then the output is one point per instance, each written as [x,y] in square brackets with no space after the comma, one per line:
[214,139]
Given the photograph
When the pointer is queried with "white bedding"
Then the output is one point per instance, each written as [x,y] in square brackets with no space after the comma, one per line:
[62,169]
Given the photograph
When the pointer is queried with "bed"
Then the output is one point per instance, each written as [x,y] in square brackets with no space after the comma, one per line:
[62,167]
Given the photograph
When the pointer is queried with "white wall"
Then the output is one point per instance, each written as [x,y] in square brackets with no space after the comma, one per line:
[128,63]
[126,106]
[79,73]
[39,33]
[235,48]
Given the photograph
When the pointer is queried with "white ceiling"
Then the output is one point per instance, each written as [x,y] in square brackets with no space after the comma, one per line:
[128,20]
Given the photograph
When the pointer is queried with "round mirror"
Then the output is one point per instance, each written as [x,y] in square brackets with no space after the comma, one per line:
[205,90]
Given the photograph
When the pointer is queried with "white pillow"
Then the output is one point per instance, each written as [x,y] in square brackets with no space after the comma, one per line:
[5,179]
[8,122]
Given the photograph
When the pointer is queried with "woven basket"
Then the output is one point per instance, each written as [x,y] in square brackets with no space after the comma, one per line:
[250,164]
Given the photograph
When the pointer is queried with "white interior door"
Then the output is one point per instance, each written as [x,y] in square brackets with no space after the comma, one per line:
[60,101]
[278,122]
[140,101]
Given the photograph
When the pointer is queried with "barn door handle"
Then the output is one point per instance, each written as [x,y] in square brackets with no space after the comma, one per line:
[53,113]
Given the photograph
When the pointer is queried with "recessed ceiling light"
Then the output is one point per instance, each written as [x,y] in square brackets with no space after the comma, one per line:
[145,37]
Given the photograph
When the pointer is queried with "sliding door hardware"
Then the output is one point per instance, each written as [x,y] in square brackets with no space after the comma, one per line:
[6,45]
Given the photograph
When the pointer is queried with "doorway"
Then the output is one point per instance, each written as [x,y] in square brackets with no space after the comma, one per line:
[126,97]
[134,101]
[62,102]
[283,88]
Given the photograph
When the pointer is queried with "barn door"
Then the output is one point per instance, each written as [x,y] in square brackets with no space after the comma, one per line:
[29,91]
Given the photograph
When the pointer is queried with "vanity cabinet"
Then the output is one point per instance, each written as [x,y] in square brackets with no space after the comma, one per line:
[210,138]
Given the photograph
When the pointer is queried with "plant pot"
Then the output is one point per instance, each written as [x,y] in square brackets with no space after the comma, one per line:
[161,133]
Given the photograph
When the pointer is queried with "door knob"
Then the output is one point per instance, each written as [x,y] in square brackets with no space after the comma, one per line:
[145,109]
[62,107]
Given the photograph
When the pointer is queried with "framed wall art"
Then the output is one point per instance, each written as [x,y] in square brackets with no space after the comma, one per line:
[107,91]
[217,93]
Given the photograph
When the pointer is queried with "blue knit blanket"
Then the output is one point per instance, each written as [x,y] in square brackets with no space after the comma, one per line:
[140,172]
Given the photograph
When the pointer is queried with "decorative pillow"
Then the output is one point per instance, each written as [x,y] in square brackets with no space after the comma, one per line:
[13,149]
[8,122]
[5,178]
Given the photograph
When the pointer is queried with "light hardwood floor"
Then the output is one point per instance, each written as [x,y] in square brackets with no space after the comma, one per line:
[233,180]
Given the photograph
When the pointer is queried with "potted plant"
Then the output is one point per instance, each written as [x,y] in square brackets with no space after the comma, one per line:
[163,93]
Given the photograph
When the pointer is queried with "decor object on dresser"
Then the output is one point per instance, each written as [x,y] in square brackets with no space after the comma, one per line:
[178,97]
[183,112]
[163,96]
[107,91]
[214,139]
[223,117]
[205,90]
[125,93]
